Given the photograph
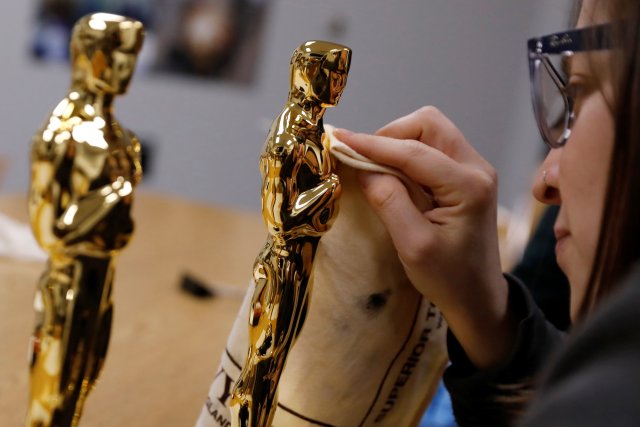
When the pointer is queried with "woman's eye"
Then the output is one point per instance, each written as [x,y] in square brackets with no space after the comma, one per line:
[577,89]
[573,90]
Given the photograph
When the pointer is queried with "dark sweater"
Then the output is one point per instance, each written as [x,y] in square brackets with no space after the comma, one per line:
[595,380]
[592,380]
[497,396]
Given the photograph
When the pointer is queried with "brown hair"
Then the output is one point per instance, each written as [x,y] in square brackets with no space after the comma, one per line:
[619,241]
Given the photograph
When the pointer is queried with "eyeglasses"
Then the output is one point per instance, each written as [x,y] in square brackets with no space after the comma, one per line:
[552,96]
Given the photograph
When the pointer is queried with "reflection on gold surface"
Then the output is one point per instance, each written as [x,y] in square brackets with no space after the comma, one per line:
[84,167]
[299,196]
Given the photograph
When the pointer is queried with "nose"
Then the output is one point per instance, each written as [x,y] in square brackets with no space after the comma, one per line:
[545,186]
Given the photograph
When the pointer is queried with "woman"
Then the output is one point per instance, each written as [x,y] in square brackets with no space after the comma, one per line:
[499,339]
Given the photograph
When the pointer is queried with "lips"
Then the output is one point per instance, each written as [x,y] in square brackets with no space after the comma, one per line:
[561,235]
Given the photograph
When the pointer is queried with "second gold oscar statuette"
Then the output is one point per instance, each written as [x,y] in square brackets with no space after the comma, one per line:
[84,167]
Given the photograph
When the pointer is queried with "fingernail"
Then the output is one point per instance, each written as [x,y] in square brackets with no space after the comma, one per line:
[342,133]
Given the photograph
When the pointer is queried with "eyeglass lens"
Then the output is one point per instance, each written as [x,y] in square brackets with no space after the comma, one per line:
[553,104]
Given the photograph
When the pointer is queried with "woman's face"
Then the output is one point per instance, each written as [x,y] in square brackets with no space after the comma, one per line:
[575,175]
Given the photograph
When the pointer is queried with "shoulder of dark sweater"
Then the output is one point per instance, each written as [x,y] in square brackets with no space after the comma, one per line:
[495,397]
[595,380]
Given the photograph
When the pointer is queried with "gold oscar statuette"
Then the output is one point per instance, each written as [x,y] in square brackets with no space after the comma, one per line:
[299,202]
[84,167]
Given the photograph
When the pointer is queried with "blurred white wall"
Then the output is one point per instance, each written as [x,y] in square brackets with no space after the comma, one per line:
[467,57]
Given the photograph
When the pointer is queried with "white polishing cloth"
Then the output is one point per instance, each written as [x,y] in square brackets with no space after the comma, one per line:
[349,156]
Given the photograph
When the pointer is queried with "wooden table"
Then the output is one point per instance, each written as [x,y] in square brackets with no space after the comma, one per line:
[165,344]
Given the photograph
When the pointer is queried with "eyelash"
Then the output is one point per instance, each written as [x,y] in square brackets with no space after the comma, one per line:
[576,87]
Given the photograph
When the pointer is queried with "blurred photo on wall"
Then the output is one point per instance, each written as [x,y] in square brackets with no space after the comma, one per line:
[209,39]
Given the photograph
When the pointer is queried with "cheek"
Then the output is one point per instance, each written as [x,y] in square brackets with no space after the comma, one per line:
[587,156]
[583,176]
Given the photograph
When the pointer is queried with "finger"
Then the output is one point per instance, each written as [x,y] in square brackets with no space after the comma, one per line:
[432,127]
[391,201]
[425,165]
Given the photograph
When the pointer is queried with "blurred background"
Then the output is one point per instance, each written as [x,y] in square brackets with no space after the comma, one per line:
[214,73]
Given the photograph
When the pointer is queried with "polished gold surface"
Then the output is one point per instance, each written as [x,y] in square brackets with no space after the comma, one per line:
[299,203]
[84,169]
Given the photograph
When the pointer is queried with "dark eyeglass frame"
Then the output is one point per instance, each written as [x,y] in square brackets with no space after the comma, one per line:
[565,43]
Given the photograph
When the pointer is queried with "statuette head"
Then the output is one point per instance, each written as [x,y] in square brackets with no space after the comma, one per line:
[319,72]
[104,49]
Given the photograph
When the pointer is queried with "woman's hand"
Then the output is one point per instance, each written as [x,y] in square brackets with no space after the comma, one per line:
[450,252]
